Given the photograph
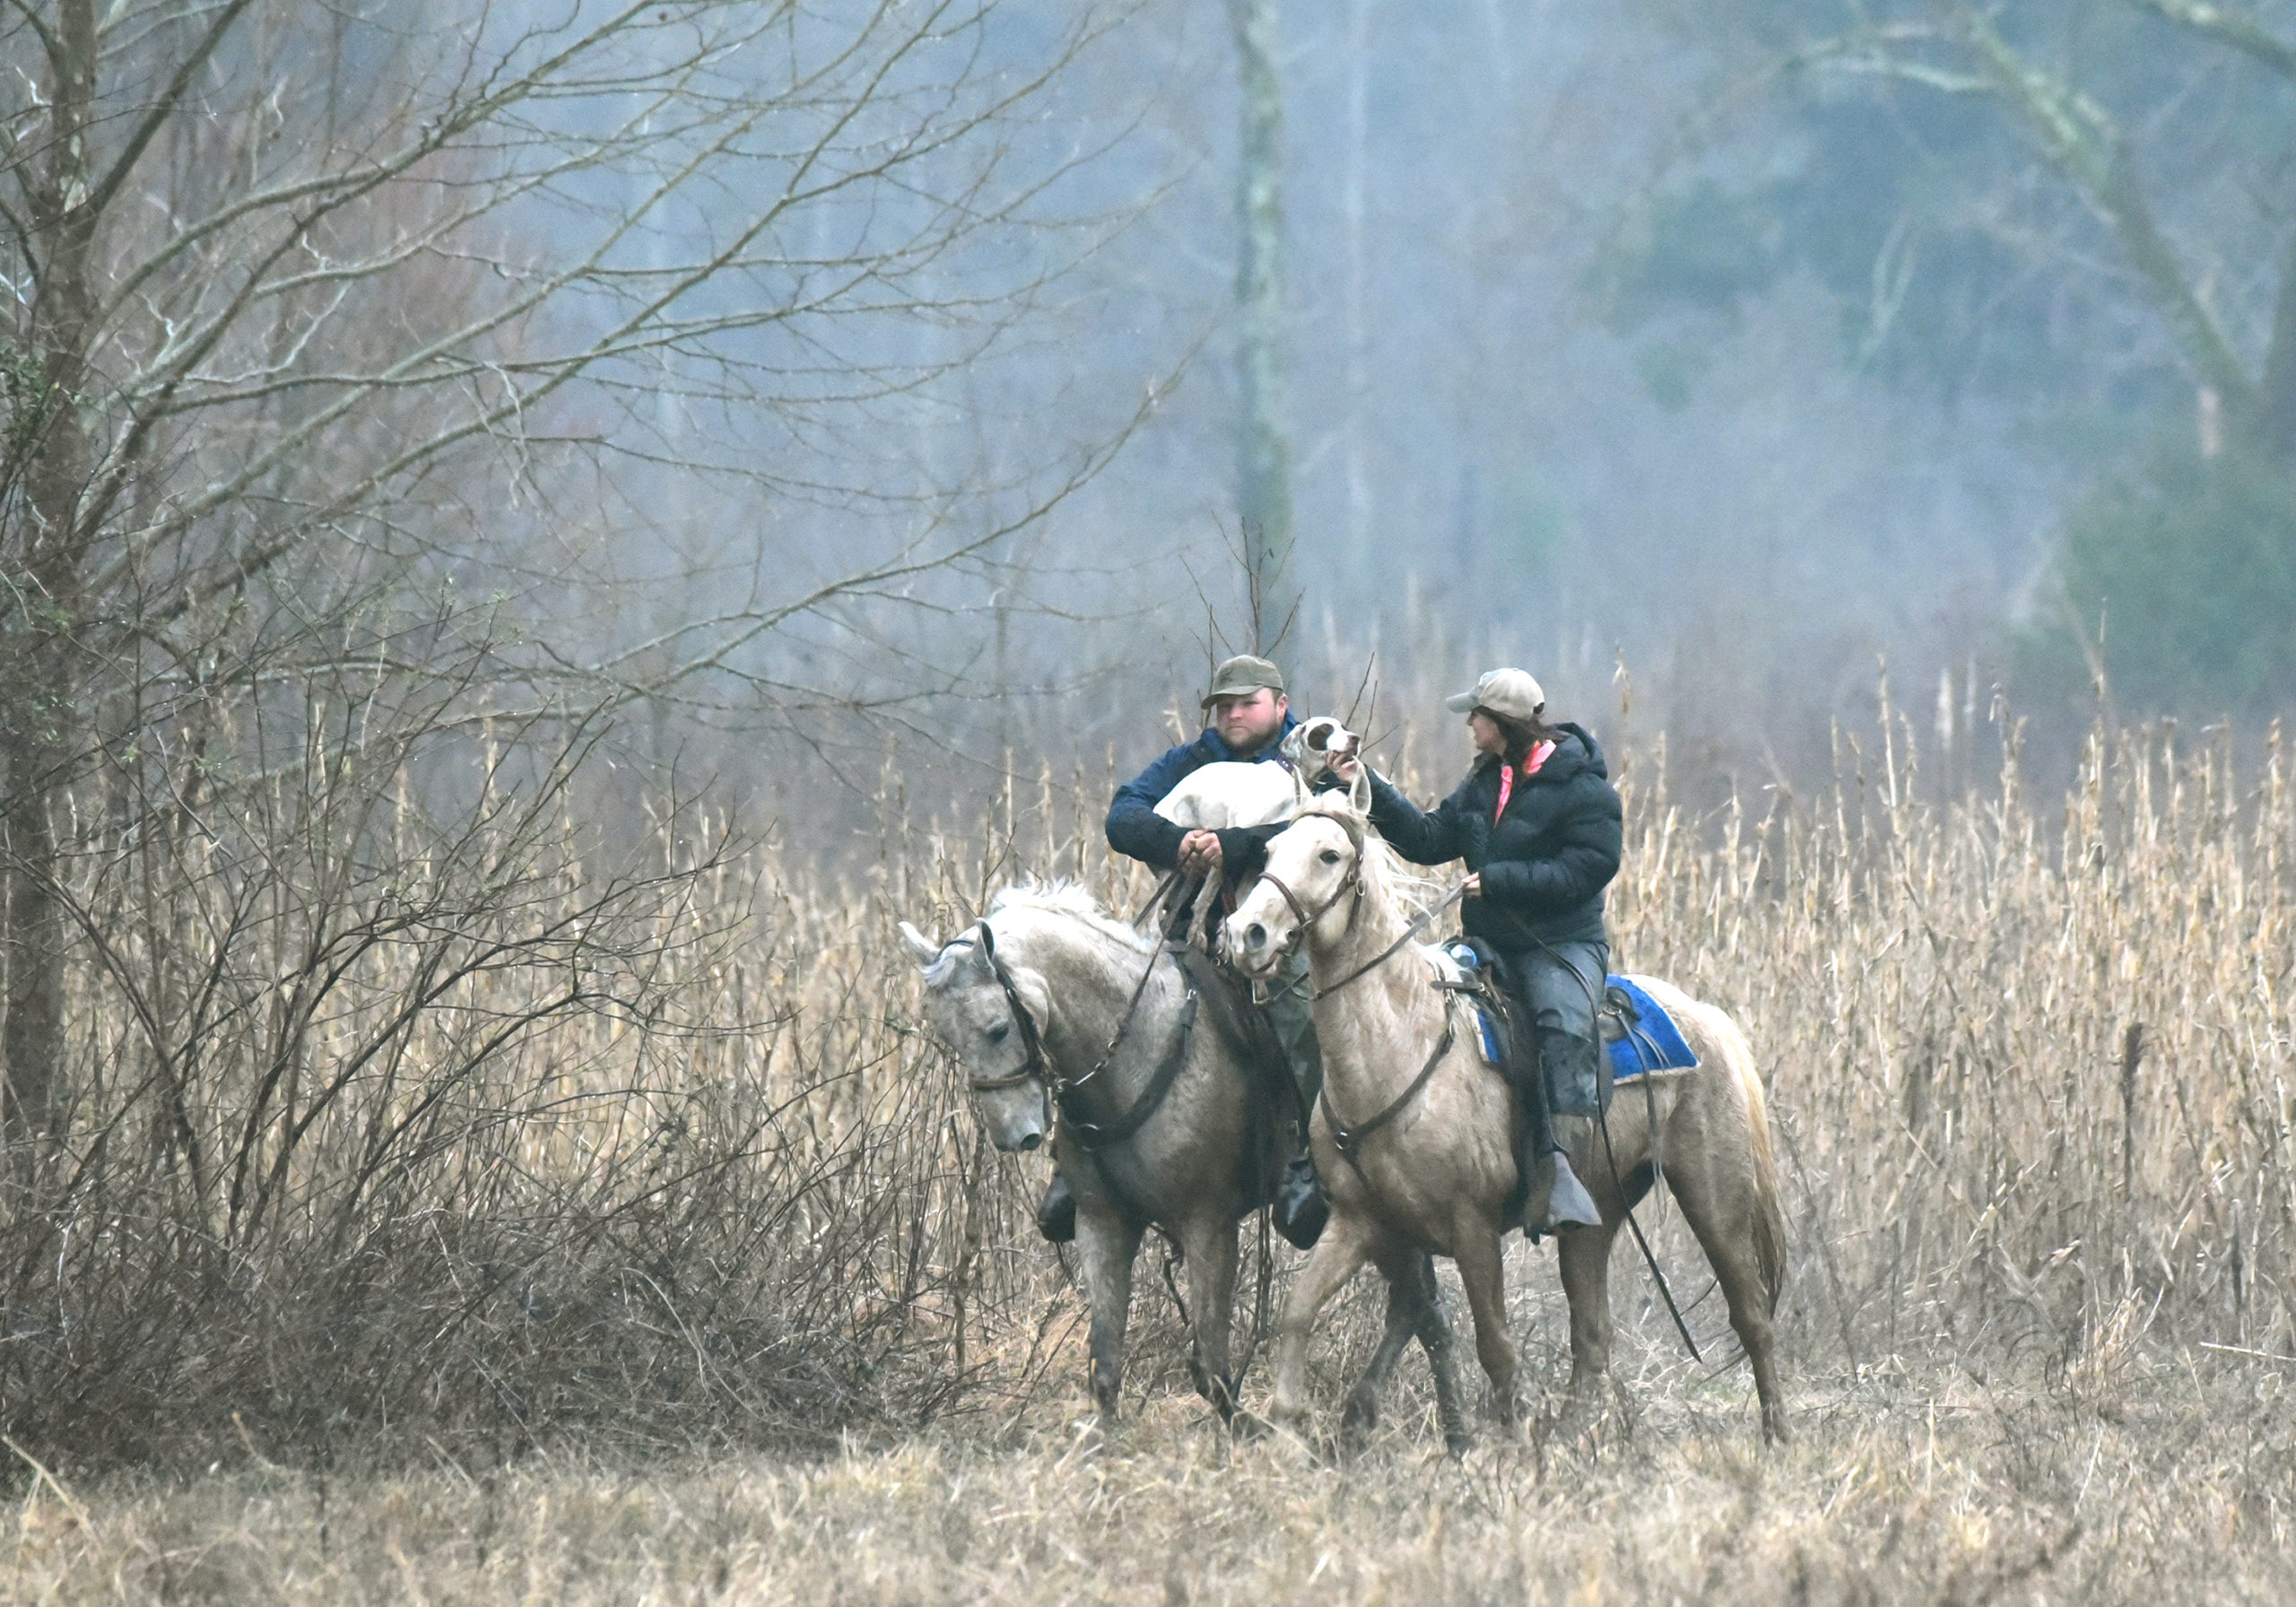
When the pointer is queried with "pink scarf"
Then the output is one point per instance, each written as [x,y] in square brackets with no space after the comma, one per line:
[1531,762]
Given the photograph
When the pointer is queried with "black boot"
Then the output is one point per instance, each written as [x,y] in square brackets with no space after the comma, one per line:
[1057,1215]
[1570,1089]
[1300,1209]
[1553,1196]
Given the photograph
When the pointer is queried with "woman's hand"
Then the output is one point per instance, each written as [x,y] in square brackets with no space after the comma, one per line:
[1472,888]
[1347,768]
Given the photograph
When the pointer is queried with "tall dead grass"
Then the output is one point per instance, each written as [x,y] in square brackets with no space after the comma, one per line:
[663,1158]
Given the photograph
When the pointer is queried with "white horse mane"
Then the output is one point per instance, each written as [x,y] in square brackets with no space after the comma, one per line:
[1069,898]
[1061,898]
[1411,888]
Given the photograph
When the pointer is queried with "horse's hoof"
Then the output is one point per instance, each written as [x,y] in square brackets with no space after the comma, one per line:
[1361,1416]
[1249,1425]
[1459,1443]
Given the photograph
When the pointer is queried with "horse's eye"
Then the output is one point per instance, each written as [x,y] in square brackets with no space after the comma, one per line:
[1331,856]
[997,1033]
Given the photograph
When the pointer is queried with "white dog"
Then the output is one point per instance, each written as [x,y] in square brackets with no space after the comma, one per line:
[1215,797]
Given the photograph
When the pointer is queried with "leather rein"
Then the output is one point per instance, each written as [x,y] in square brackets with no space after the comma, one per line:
[1352,882]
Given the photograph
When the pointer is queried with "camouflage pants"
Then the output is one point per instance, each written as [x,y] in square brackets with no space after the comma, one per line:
[1290,1014]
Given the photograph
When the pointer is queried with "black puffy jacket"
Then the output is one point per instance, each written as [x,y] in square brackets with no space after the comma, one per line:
[1544,865]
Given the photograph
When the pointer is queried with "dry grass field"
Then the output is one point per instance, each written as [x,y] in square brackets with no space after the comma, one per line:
[725,1299]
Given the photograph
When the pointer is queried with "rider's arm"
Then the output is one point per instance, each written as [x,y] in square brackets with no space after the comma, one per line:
[1423,837]
[1134,826]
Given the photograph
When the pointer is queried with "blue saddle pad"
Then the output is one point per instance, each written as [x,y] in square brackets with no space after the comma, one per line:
[1653,1043]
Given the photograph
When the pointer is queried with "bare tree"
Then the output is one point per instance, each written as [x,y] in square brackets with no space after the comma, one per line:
[2231,313]
[313,313]
[1264,457]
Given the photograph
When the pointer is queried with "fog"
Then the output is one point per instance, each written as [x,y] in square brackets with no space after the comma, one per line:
[1541,407]
[862,385]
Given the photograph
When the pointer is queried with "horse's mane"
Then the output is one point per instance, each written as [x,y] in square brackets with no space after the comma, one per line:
[1069,898]
[1059,898]
[1411,888]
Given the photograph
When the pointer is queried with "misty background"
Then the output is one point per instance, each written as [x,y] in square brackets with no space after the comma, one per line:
[1756,346]
[982,360]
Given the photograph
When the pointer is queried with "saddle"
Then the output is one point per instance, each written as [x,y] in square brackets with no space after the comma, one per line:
[1508,1043]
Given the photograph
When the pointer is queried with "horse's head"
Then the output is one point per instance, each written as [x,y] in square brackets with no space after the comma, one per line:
[991,1015]
[1308,888]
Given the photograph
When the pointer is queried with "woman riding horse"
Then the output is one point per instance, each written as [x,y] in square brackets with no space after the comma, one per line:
[1538,823]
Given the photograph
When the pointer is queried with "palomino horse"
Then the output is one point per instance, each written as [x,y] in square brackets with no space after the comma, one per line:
[1053,1008]
[1412,1136]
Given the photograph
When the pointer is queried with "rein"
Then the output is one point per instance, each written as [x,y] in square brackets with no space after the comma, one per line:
[1354,882]
[1396,947]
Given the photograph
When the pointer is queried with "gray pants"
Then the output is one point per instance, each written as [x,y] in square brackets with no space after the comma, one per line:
[1560,986]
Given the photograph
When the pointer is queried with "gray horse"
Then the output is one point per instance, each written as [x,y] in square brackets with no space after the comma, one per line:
[1158,1130]
[1412,1135]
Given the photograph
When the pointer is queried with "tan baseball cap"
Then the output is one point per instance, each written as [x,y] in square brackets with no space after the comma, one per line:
[1510,692]
[1241,677]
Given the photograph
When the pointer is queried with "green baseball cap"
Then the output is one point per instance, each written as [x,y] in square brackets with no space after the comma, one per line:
[1241,677]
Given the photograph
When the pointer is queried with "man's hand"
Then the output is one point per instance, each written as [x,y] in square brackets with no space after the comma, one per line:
[1200,854]
[1347,767]
[1472,888]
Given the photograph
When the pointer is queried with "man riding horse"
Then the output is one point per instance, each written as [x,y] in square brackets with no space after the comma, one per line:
[1250,715]
[1537,822]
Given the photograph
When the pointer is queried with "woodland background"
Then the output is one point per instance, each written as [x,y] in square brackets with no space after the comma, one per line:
[533,533]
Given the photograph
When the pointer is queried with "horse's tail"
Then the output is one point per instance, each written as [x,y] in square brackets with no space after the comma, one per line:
[1769,1215]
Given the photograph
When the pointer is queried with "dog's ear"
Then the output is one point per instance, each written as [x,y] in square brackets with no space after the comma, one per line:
[921,948]
[1359,791]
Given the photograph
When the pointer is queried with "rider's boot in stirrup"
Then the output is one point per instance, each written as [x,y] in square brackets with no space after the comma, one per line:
[1300,1209]
[1553,1197]
[1057,1215]
[1557,1198]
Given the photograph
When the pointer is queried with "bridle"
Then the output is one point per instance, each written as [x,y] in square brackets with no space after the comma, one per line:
[1059,1090]
[1351,882]
[1033,1064]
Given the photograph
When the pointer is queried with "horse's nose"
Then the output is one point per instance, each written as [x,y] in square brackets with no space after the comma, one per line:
[1031,1140]
[1255,934]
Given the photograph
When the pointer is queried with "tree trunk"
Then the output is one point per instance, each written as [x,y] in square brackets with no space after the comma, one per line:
[2275,427]
[46,545]
[1264,491]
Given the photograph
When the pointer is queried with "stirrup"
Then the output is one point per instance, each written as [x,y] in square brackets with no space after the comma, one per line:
[1568,1202]
[1056,1213]
[1300,1208]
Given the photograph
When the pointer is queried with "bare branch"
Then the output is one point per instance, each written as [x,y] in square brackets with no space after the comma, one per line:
[2227,26]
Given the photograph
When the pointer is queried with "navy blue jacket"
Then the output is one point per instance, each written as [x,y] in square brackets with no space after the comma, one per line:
[1135,827]
[1544,863]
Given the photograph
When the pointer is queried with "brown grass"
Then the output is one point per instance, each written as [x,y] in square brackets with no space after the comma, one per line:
[2038,1330]
[1970,1496]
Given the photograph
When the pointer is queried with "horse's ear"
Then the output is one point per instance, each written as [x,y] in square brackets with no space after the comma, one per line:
[921,948]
